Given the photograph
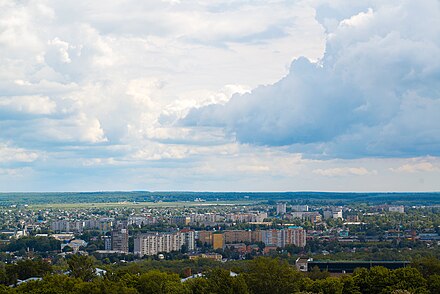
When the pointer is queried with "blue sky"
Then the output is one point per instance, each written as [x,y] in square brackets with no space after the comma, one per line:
[219,95]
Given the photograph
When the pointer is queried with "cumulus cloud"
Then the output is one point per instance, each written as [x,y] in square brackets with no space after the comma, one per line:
[418,165]
[374,92]
[85,92]
[12,154]
[344,171]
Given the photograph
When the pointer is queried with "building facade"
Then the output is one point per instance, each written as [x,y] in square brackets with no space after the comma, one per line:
[120,240]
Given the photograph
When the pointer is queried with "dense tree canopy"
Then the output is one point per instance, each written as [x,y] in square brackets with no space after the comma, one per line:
[261,275]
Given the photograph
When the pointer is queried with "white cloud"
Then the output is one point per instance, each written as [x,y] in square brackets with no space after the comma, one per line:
[10,154]
[14,105]
[418,165]
[375,84]
[344,171]
[88,94]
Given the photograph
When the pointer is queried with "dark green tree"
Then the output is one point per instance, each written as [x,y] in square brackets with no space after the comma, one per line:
[82,267]
[266,275]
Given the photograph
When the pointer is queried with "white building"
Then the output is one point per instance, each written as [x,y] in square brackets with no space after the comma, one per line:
[300,208]
[399,209]
[154,243]
[281,208]
[337,214]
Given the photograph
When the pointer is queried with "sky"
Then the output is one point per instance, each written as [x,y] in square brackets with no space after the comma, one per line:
[214,95]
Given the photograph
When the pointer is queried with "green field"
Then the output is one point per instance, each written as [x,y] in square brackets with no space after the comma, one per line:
[138,204]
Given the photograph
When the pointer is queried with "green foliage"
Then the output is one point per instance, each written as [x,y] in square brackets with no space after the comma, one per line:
[328,286]
[37,244]
[372,281]
[317,274]
[159,282]
[82,267]
[221,282]
[407,279]
[427,266]
[434,284]
[261,275]
[274,276]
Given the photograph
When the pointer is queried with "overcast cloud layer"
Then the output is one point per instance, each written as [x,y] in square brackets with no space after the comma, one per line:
[219,95]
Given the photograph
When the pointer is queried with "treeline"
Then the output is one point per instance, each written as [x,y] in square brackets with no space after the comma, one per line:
[261,275]
[35,244]
[422,198]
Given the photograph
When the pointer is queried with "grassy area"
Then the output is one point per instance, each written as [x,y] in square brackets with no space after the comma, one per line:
[139,204]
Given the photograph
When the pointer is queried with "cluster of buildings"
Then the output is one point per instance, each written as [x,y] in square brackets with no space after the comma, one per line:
[153,243]
[275,237]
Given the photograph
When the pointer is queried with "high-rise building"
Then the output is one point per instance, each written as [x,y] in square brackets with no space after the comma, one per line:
[294,236]
[281,238]
[120,240]
[189,238]
[281,208]
[107,243]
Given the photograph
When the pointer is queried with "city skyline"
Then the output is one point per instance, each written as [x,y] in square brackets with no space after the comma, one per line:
[219,96]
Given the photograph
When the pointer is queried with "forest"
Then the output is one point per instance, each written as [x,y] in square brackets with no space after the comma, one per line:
[260,275]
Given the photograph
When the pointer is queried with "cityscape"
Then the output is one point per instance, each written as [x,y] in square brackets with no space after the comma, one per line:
[219,147]
[318,238]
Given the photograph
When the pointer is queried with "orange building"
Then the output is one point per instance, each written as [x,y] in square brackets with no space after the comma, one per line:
[205,237]
[218,241]
[237,236]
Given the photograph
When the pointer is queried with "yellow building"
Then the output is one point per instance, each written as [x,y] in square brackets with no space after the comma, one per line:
[218,241]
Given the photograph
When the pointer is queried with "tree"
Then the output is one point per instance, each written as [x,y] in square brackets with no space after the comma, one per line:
[160,283]
[434,283]
[221,282]
[197,285]
[408,279]
[317,274]
[328,286]
[273,276]
[82,267]
[427,266]
[372,281]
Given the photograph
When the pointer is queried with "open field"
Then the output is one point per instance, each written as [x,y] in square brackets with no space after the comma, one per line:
[139,204]
[182,198]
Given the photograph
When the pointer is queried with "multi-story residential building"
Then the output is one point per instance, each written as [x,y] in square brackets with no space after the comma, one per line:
[107,243]
[256,236]
[60,226]
[205,237]
[180,220]
[281,238]
[272,238]
[246,217]
[294,236]
[218,241]
[300,208]
[281,208]
[337,214]
[189,238]
[399,209]
[67,226]
[237,236]
[154,243]
[102,224]
[120,240]
[142,220]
